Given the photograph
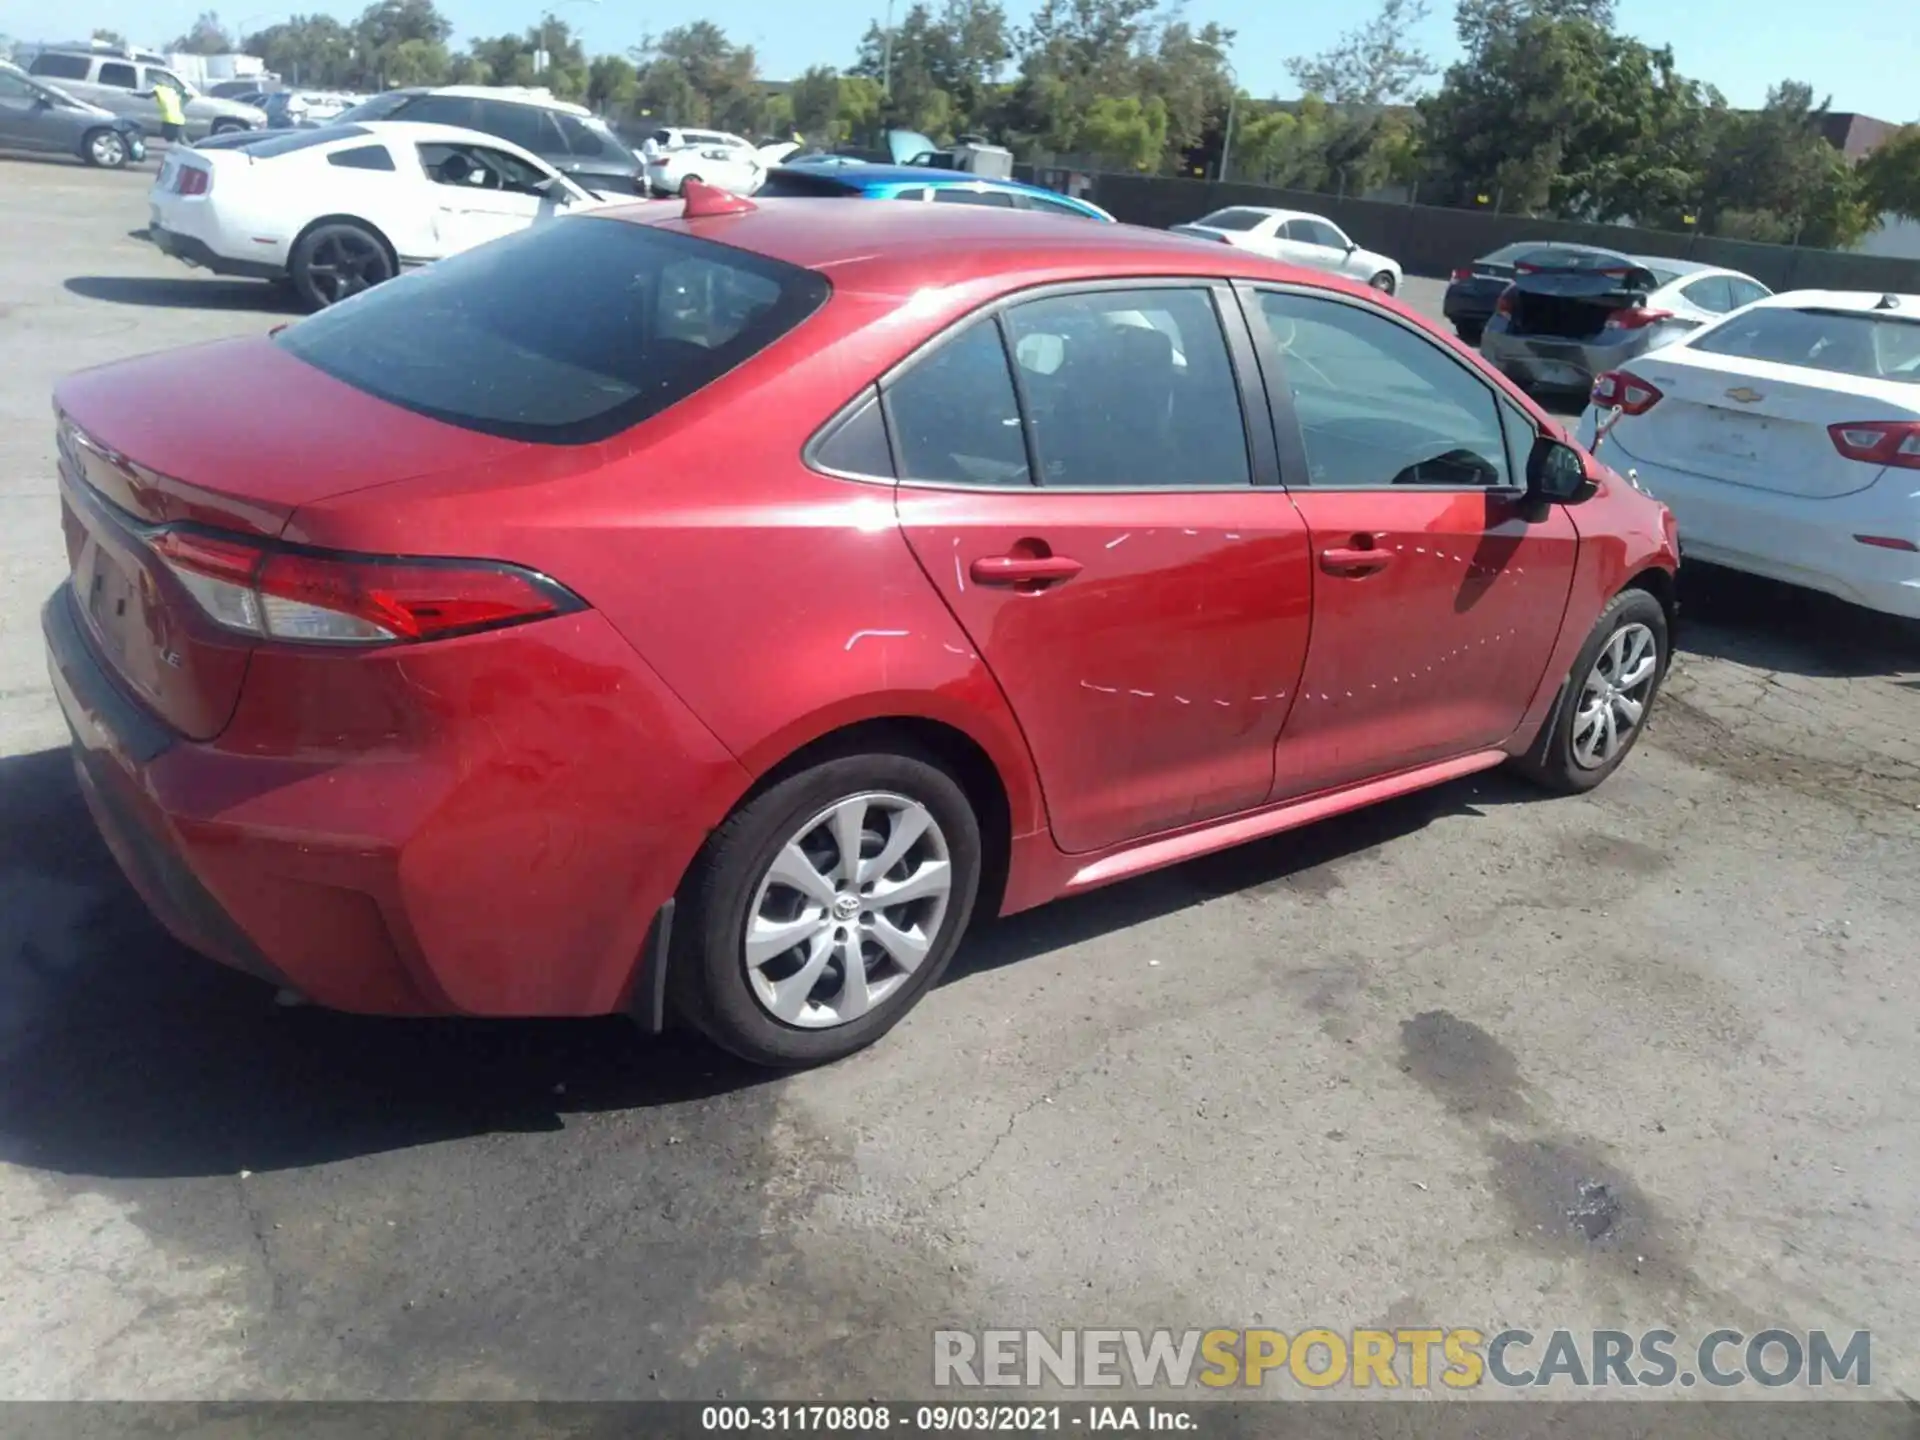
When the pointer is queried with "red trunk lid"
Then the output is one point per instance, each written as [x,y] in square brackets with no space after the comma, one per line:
[234,436]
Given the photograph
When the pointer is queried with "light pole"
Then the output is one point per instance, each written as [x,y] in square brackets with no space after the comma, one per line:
[1233,96]
[886,56]
[543,57]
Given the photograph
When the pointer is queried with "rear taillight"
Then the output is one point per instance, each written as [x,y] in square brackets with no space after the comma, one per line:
[1879,442]
[1526,269]
[313,596]
[1504,305]
[191,180]
[1633,395]
[1637,318]
[1462,275]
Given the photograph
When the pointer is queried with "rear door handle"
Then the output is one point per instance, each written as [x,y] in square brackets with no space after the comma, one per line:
[1349,560]
[1023,569]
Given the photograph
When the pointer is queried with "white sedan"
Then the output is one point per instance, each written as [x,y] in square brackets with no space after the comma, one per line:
[1786,441]
[733,163]
[1296,238]
[335,210]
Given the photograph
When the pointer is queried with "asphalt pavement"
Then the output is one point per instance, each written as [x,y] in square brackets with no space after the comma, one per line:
[1383,1071]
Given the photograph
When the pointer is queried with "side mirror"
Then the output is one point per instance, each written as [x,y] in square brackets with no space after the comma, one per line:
[1557,472]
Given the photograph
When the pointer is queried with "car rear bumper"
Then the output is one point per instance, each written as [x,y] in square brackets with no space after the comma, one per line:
[1790,538]
[1547,363]
[194,251]
[488,850]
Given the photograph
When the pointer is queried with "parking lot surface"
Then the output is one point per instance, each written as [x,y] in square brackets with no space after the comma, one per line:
[1474,1058]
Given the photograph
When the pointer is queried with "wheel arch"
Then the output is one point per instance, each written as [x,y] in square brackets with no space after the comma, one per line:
[386,243]
[1663,585]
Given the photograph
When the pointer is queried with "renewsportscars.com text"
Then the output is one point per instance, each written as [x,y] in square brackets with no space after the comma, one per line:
[1410,1358]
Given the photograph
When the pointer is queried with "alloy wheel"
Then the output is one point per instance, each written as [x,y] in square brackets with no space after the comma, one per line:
[109,150]
[345,263]
[848,910]
[1613,700]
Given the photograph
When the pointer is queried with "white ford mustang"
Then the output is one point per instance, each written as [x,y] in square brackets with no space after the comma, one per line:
[332,211]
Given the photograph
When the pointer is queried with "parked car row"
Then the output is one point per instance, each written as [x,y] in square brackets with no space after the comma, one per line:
[124,83]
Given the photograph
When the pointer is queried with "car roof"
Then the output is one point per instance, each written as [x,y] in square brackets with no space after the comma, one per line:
[1871,302]
[1272,212]
[418,131]
[905,249]
[512,94]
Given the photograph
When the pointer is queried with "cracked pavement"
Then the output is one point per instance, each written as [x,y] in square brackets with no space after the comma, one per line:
[1362,1074]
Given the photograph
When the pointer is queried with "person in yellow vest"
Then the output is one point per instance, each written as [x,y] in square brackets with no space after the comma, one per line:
[173,119]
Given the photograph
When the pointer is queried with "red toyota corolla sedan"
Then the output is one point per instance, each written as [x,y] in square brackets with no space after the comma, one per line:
[710,615]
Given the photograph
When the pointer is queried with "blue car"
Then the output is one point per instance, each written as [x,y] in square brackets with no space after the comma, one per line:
[864,181]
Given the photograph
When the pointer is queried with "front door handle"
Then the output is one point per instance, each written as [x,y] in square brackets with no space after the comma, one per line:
[1351,560]
[1037,570]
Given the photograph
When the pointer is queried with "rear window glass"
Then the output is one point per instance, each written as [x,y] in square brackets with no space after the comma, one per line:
[1841,342]
[564,334]
[288,141]
[1554,257]
[61,67]
[118,75]
[1233,219]
[786,182]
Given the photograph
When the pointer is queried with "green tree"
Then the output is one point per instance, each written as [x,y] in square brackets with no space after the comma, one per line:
[1125,132]
[816,102]
[1187,70]
[611,84]
[1376,64]
[105,37]
[413,62]
[1890,175]
[207,37]
[309,50]
[387,26]
[1559,115]
[1478,21]
[1771,175]
[695,75]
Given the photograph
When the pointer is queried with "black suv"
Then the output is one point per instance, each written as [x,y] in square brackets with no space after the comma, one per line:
[567,137]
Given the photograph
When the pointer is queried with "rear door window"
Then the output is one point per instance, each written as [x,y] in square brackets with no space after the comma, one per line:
[60,67]
[953,195]
[563,334]
[116,74]
[954,417]
[581,139]
[1234,219]
[1130,389]
[1710,293]
[440,110]
[362,157]
[1745,291]
[523,125]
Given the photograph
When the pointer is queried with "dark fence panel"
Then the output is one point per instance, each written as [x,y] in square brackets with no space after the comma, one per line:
[1429,240]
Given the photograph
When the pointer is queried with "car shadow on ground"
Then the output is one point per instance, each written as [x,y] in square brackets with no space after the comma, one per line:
[184,293]
[1303,863]
[122,1054]
[1771,626]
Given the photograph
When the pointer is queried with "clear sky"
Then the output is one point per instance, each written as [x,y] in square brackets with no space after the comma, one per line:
[1865,53]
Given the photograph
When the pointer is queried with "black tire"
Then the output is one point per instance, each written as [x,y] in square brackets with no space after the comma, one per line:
[335,261]
[708,971]
[105,148]
[685,180]
[1551,762]
[1469,332]
[227,127]
[1384,282]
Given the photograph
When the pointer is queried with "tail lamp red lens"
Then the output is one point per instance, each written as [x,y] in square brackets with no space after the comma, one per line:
[321,597]
[192,180]
[1463,274]
[1637,318]
[1633,395]
[1879,442]
[1504,305]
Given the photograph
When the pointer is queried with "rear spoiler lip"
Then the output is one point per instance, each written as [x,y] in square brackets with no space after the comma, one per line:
[1586,284]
